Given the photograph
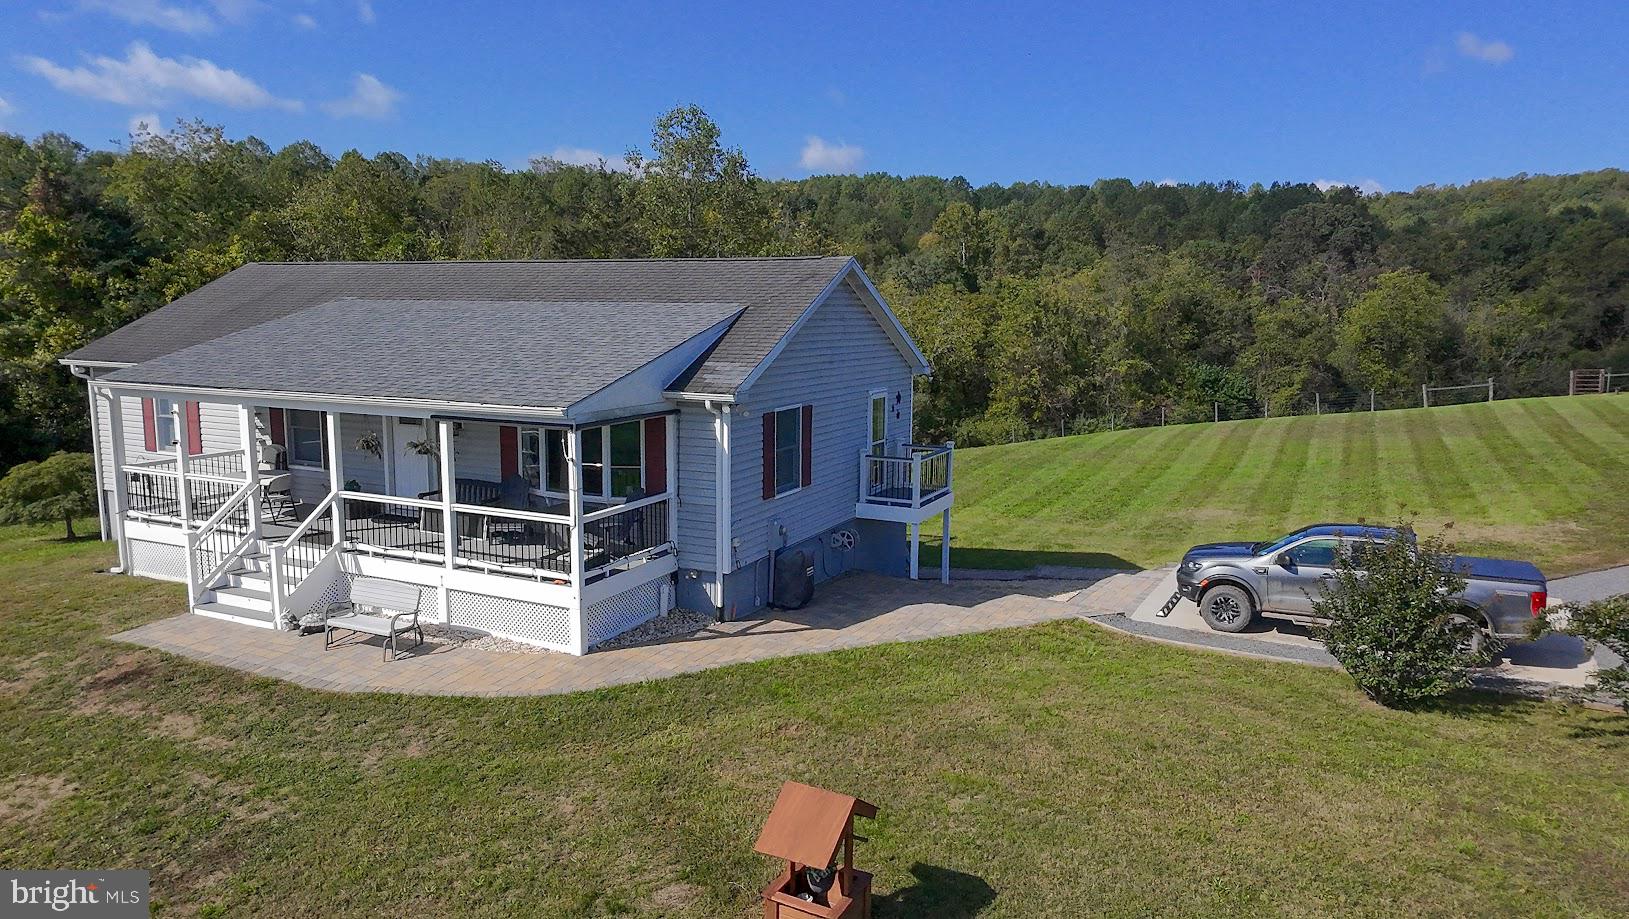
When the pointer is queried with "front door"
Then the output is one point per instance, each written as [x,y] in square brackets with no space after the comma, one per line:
[414,471]
[1299,575]
[878,429]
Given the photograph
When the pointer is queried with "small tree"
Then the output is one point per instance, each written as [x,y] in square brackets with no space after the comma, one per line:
[60,487]
[1603,622]
[1392,624]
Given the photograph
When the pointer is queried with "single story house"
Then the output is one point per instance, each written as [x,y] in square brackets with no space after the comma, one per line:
[550,451]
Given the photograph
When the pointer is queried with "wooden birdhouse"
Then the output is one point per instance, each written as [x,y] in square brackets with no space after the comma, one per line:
[813,830]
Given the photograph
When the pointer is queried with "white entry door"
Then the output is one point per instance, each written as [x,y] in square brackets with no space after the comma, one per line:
[414,470]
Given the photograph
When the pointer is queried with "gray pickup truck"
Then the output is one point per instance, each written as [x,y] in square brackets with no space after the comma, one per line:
[1233,582]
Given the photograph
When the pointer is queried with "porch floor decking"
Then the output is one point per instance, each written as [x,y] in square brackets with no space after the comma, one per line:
[854,611]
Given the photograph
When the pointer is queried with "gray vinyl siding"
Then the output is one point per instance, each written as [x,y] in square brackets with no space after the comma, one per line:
[833,362]
[477,452]
[698,488]
[218,422]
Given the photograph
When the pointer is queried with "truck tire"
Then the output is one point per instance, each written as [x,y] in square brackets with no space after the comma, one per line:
[1226,608]
[1473,638]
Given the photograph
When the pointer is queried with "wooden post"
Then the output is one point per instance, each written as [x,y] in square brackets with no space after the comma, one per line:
[1425,397]
[1371,398]
[1216,411]
[121,481]
[577,640]
[1317,404]
[1490,389]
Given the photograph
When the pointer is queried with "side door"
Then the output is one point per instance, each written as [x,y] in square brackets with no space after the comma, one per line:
[1298,575]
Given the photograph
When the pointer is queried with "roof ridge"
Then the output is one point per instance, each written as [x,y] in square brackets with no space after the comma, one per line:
[559,261]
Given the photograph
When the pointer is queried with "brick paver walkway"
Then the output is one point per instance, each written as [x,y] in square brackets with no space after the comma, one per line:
[858,610]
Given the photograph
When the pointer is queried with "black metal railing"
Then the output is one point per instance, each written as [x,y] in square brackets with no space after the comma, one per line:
[624,533]
[390,527]
[301,554]
[222,538]
[496,540]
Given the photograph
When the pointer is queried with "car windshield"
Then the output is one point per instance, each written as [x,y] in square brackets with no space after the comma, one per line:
[1269,548]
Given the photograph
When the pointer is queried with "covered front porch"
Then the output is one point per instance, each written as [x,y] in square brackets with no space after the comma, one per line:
[552,531]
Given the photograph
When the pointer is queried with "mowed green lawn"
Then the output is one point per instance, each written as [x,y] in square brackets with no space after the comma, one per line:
[1542,479]
[1054,771]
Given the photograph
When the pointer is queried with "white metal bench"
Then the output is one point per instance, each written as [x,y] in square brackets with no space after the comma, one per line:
[377,607]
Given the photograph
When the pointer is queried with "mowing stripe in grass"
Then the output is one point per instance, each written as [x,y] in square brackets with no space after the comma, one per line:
[1169,519]
[1609,410]
[1276,492]
[1034,482]
[1357,483]
[1598,443]
[1504,460]
[1442,478]
[1565,435]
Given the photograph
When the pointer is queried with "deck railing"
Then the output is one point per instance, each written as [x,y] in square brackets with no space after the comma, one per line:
[226,464]
[525,543]
[407,528]
[625,533]
[221,539]
[913,480]
[156,495]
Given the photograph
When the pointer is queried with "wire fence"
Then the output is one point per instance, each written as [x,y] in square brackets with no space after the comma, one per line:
[1340,402]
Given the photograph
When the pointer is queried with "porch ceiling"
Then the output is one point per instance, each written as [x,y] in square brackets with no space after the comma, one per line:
[547,355]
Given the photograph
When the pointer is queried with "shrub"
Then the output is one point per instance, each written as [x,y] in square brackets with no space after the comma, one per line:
[1603,622]
[1392,623]
[60,487]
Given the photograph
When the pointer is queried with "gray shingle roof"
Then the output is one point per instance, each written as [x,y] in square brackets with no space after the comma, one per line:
[772,291]
[515,353]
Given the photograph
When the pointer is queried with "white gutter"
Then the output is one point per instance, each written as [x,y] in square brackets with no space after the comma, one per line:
[262,397]
[71,364]
[95,447]
[721,495]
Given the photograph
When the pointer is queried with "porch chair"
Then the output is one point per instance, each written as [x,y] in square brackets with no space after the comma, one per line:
[514,494]
[394,610]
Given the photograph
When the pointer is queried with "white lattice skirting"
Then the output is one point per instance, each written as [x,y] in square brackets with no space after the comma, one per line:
[533,622]
[617,614]
[158,560]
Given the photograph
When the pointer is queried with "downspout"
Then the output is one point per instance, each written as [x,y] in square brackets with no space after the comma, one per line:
[96,449]
[721,495]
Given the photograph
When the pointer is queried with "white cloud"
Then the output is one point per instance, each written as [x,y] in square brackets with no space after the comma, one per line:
[369,98]
[5,109]
[583,156]
[1364,186]
[823,157]
[149,123]
[144,78]
[1166,183]
[188,20]
[305,21]
[364,11]
[1485,50]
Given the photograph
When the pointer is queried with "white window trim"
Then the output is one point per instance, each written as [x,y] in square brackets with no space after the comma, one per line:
[772,451]
[870,408]
[164,415]
[288,439]
[604,494]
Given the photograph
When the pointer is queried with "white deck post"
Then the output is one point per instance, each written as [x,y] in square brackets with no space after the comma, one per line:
[672,422]
[336,474]
[121,484]
[944,550]
[251,463]
[449,526]
[916,547]
[577,642]
[179,414]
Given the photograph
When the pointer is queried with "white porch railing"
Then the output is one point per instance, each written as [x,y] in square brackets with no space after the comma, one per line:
[625,534]
[223,464]
[292,561]
[153,488]
[215,545]
[917,479]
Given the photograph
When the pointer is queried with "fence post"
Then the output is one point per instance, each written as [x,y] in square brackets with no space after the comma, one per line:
[1371,398]
[1317,404]
[1490,389]
[1162,416]
[1425,397]
[1216,411]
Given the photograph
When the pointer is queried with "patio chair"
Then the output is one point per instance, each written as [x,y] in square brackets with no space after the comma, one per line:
[277,496]
[515,494]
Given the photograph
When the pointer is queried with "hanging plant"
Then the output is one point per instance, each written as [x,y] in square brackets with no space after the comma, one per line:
[371,442]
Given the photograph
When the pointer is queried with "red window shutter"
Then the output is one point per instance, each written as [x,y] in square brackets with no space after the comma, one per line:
[195,429]
[769,455]
[655,455]
[279,434]
[808,445]
[508,450]
[149,427]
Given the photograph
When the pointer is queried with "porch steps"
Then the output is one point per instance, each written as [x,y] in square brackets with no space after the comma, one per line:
[244,593]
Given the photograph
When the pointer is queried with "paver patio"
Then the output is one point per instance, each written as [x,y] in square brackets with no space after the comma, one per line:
[852,612]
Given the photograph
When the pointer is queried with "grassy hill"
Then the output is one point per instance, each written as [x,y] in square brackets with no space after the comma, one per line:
[1544,479]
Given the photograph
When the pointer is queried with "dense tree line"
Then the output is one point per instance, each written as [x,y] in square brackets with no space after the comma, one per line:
[1044,308]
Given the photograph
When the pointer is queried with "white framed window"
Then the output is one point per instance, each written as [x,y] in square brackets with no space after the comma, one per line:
[542,459]
[164,433]
[788,450]
[531,456]
[556,477]
[305,437]
[627,453]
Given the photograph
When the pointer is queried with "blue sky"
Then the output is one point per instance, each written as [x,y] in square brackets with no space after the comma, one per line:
[1387,95]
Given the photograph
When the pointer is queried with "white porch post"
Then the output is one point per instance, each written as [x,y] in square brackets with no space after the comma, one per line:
[103,519]
[673,477]
[449,527]
[178,413]
[251,463]
[944,550]
[578,640]
[336,474]
[121,497]
[916,546]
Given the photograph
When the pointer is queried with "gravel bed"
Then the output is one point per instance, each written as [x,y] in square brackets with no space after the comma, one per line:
[457,637]
[679,623]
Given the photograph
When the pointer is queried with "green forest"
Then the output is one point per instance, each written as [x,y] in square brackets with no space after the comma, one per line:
[1044,308]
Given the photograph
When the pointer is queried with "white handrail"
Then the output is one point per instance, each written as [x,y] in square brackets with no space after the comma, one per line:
[615,509]
[230,502]
[310,518]
[389,499]
[514,513]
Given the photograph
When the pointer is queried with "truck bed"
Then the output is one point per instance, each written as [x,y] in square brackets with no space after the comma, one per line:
[1498,569]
